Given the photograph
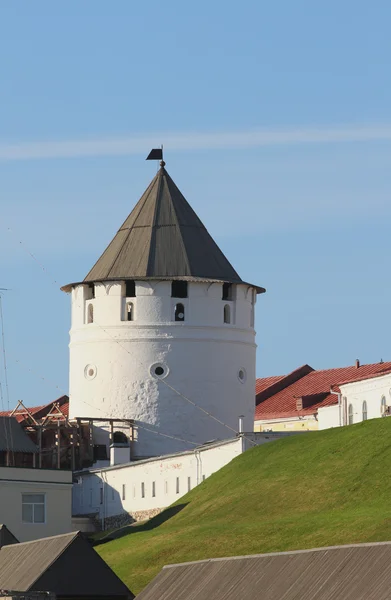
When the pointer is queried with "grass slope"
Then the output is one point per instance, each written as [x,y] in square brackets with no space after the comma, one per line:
[322,488]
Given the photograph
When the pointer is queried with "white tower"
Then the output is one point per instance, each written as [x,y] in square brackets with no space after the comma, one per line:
[163,318]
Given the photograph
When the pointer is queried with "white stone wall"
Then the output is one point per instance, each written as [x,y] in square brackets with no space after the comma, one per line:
[112,361]
[372,391]
[115,490]
[164,479]
[329,416]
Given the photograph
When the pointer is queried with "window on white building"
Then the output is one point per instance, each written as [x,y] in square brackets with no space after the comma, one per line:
[33,508]
[227,313]
[350,414]
[130,289]
[166,487]
[364,411]
[129,311]
[179,289]
[123,491]
[179,312]
[142,489]
[188,484]
[227,291]
[383,406]
[90,314]
[177,485]
[153,489]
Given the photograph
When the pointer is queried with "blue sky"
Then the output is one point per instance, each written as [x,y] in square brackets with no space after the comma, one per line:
[276,123]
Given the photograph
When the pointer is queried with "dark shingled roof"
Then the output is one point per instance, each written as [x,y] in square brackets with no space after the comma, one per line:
[66,565]
[358,572]
[13,437]
[162,238]
[6,537]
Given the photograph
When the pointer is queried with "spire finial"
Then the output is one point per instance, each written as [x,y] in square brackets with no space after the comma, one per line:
[162,163]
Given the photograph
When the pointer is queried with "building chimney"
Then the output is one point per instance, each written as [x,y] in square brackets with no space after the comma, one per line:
[357,363]
[241,421]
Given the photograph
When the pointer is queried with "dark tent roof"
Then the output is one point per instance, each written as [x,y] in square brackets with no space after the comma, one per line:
[13,437]
[359,572]
[66,565]
[6,537]
[162,238]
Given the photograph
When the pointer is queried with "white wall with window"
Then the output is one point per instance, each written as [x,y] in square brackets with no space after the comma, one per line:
[359,400]
[153,484]
[35,503]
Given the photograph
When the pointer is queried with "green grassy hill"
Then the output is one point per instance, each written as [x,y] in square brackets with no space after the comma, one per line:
[319,489]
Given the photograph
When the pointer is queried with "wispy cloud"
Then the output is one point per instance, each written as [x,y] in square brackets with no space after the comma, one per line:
[139,144]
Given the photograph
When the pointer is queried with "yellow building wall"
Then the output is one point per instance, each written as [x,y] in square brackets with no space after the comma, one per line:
[299,425]
[57,487]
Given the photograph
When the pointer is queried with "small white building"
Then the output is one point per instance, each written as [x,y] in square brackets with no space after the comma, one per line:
[360,399]
[35,503]
[138,490]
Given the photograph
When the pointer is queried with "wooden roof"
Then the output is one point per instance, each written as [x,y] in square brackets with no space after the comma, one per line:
[162,238]
[66,565]
[357,572]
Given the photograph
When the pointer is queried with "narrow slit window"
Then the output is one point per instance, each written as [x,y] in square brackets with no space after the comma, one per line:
[153,489]
[142,489]
[177,485]
[227,291]
[90,314]
[129,311]
[130,289]
[123,491]
[179,312]
[364,411]
[92,290]
[350,414]
[179,289]
[227,313]
[188,484]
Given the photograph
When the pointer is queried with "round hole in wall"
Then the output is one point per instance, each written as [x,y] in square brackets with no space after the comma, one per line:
[242,375]
[159,371]
[90,372]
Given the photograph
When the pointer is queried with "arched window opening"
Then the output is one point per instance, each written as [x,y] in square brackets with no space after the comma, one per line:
[227,313]
[179,289]
[129,311]
[227,291]
[350,414]
[120,438]
[130,289]
[179,312]
[383,406]
[364,411]
[90,314]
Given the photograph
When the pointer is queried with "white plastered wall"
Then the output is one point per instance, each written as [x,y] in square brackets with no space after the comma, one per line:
[372,390]
[111,361]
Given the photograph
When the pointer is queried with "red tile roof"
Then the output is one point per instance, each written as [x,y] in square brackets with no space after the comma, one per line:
[265,382]
[39,411]
[284,402]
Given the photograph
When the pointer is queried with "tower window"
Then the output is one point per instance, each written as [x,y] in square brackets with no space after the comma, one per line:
[179,312]
[92,290]
[227,313]
[179,289]
[130,290]
[120,438]
[227,291]
[90,314]
[129,311]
